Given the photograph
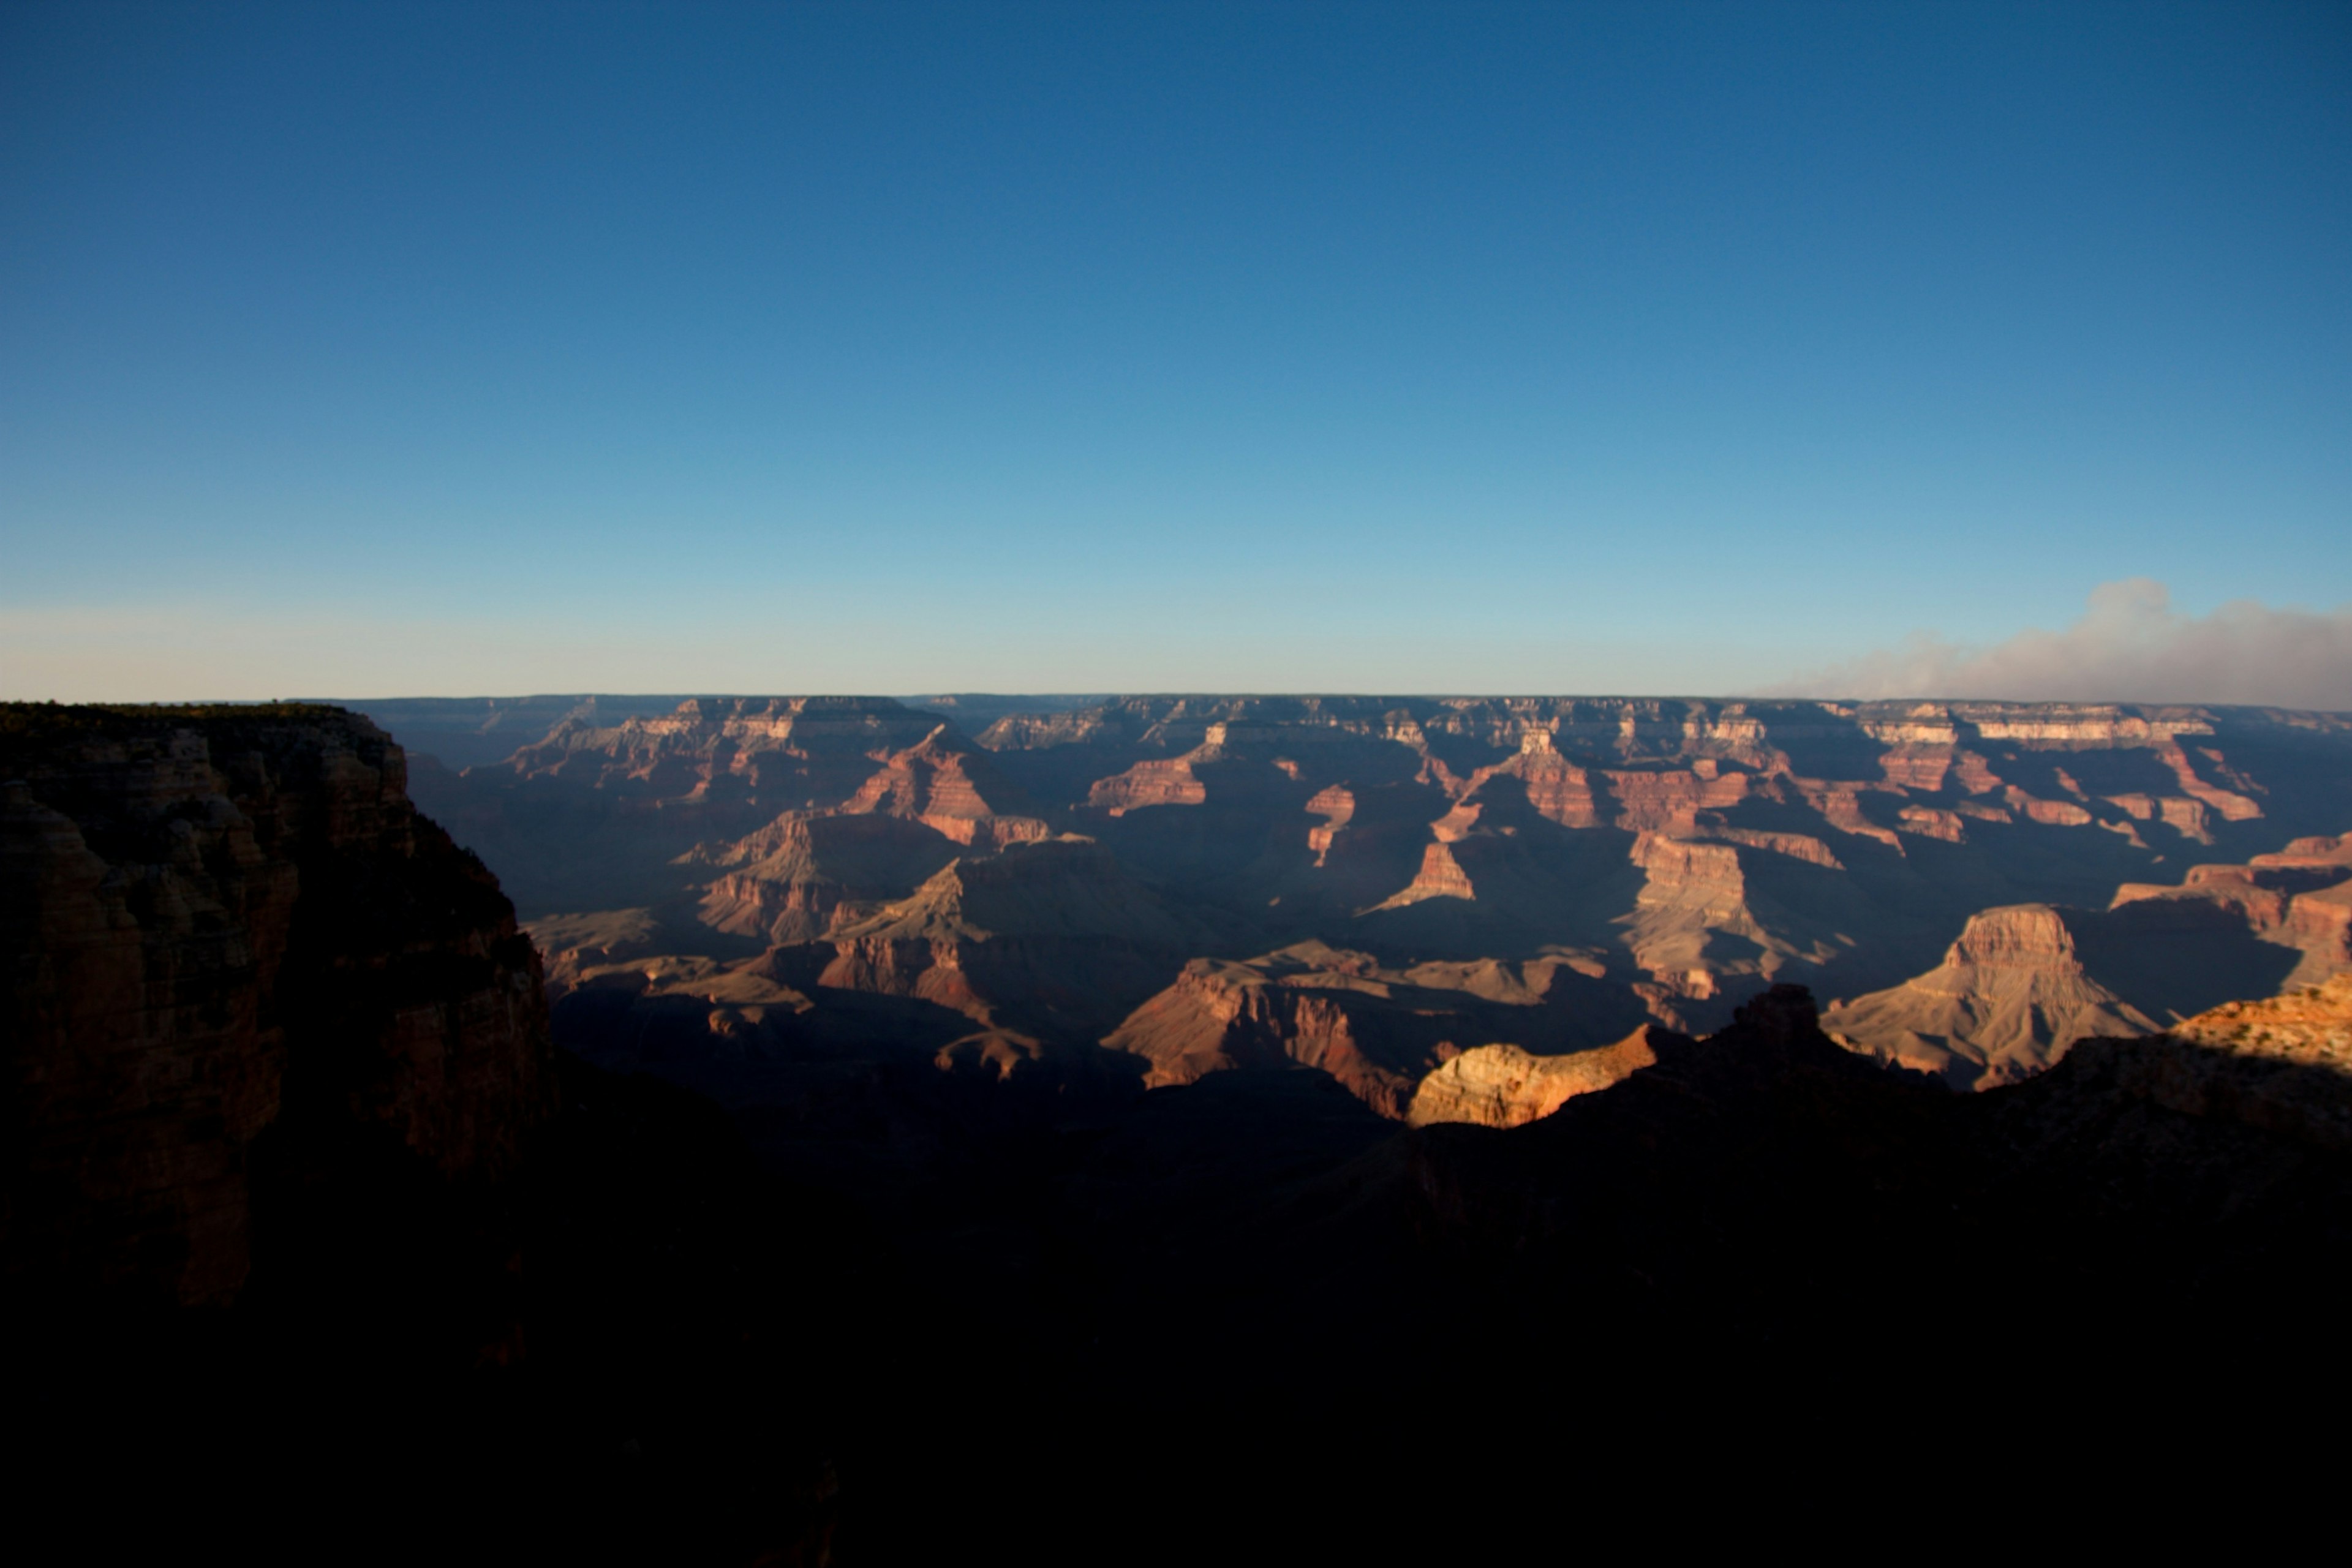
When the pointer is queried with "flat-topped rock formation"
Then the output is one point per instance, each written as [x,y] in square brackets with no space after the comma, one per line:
[2011,996]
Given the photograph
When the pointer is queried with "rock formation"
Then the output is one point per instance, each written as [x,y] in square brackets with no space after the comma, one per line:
[1503,1086]
[2298,898]
[857,1063]
[1742,1188]
[2282,1066]
[1379,1030]
[226,932]
[795,877]
[2010,997]
[944,783]
[1053,935]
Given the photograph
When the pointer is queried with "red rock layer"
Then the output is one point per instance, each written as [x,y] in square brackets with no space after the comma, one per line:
[1169,781]
[2276,895]
[1216,1017]
[951,789]
[1669,801]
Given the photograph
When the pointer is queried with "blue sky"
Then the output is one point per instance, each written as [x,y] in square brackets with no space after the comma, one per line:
[385,350]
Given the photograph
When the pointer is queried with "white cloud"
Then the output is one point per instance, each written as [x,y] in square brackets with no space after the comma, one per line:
[2130,646]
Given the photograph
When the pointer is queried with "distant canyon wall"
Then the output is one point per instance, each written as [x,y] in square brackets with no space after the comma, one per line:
[1347,873]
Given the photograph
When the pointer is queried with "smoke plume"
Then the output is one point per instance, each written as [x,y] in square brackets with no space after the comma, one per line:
[2130,646]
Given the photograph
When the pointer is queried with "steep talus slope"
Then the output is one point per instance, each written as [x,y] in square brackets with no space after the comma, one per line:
[234,955]
[794,879]
[809,871]
[953,788]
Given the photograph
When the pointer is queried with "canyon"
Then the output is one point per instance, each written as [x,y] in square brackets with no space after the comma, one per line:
[783,1128]
[1370,888]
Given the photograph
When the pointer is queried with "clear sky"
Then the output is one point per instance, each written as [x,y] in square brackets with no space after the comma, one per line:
[408,349]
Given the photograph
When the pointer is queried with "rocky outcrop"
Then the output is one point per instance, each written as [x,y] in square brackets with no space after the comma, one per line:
[1503,1086]
[2283,1066]
[225,930]
[1669,800]
[1220,1016]
[1169,781]
[1747,1183]
[2011,996]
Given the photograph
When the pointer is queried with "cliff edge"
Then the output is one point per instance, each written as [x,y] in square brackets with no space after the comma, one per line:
[238,972]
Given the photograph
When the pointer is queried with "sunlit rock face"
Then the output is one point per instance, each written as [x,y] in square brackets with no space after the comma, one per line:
[2283,1064]
[224,930]
[1503,1086]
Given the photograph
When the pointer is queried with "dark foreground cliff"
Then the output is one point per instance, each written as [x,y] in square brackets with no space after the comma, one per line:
[239,967]
[302,1222]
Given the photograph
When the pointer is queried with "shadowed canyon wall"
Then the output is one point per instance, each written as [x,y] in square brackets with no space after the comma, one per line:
[236,955]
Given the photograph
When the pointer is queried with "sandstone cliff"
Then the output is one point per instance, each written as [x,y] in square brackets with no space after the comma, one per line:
[224,931]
